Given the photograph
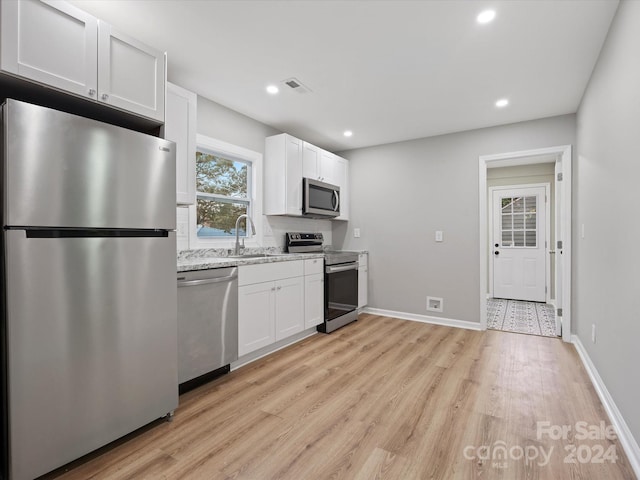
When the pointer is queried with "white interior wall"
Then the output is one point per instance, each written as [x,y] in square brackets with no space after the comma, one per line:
[606,196]
[402,193]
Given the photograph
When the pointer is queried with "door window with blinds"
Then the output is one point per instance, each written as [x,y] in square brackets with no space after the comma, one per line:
[519,226]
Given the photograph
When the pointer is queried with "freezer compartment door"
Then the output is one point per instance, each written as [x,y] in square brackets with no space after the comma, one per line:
[61,170]
[92,343]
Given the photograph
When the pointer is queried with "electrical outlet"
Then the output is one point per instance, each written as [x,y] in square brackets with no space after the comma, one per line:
[356,233]
[593,332]
[435,304]
[439,237]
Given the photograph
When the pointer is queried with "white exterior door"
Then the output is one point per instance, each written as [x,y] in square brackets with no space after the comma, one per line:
[519,250]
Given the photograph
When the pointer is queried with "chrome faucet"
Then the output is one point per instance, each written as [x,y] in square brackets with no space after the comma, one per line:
[248,222]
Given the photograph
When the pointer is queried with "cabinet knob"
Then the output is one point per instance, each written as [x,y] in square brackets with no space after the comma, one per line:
[279,288]
[105,97]
[91,92]
[273,289]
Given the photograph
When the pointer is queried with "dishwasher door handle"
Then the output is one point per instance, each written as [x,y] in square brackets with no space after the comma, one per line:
[205,281]
[341,268]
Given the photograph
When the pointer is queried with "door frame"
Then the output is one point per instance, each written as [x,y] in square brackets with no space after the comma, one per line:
[563,161]
[547,234]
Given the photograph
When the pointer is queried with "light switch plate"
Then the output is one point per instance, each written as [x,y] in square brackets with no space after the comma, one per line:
[439,236]
[356,233]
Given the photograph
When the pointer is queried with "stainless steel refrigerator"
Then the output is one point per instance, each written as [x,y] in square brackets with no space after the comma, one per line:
[89,349]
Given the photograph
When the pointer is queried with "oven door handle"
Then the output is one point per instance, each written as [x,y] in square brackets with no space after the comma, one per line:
[341,268]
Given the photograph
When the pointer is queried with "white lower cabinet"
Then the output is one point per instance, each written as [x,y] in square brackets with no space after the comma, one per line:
[270,303]
[363,280]
[256,317]
[313,292]
[289,311]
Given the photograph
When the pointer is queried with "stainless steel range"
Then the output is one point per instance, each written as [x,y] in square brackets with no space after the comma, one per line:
[340,279]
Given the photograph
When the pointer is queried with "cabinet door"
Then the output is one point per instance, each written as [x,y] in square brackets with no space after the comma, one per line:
[131,75]
[53,43]
[293,174]
[363,286]
[313,300]
[289,307]
[283,175]
[180,127]
[329,171]
[256,327]
[310,161]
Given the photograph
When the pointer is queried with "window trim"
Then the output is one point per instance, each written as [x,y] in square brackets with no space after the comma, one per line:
[232,152]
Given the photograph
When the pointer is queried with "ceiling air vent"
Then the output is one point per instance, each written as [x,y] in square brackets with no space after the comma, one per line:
[296,85]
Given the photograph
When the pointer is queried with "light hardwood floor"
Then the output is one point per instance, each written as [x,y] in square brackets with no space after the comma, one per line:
[380,398]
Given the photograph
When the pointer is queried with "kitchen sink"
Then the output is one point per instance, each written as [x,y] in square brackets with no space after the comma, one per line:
[259,255]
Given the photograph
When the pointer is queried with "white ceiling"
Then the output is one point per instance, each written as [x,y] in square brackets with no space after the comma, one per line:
[388,70]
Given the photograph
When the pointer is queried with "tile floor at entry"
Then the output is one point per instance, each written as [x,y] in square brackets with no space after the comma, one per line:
[532,318]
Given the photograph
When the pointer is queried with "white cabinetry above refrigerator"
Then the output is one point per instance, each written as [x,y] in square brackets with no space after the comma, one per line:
[58,45]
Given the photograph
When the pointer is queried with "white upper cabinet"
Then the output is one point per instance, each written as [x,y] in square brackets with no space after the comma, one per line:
[130,73]
[287,160]
[310,161]
[283,175]
[329,170]
[180,127]
[318,164]
[58,45]
[53,43]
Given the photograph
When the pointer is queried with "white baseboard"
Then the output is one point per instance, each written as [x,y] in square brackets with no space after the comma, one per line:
[447,322]
[627,440]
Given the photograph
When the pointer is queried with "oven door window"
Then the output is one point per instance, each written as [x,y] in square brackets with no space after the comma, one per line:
[341,293]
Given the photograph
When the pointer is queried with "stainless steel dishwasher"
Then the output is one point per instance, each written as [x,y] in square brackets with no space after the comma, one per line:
[207,324]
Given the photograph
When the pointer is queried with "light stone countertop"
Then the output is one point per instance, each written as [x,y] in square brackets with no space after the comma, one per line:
[206,262]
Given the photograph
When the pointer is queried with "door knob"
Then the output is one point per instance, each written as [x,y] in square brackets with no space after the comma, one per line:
[496,253]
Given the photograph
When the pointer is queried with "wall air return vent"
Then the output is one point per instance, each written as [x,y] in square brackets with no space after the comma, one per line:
[296,85]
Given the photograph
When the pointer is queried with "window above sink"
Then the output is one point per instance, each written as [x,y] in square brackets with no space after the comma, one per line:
[228,184]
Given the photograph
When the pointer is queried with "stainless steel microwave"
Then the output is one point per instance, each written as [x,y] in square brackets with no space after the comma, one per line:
[320,199]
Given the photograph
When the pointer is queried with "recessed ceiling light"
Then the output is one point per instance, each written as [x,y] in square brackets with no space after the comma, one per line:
[503,102]
[348,133]
[272,89]
[486,16]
